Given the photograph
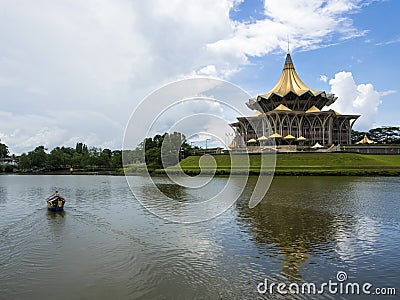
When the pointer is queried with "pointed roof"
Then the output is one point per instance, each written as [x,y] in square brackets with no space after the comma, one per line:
[313,109]
[232,144]
[366,140]
[290,82]
[282,107]
[336,113]
[289,137]
[275,135]
[262,138]
[317,146]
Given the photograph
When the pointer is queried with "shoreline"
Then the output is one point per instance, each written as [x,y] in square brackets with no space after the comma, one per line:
[162,172]
[300,164]
[287,164]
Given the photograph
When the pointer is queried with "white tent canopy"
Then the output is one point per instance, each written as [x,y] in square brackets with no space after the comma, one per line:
[263,138]
[317,146]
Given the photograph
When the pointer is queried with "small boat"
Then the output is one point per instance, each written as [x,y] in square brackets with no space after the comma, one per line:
[55,202]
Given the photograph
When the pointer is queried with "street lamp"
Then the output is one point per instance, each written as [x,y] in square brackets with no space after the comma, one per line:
[182,152]
[191,147]
[206,145]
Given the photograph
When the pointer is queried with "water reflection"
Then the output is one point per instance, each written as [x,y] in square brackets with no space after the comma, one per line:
[105,244]
[173,191]
[56,222]
[365,232]
[325,224]
[293,233]
[3,193]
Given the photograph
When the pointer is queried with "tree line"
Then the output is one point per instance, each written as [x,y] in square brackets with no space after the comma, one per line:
[67,157]
[157,152]
[160,151]
[381,135]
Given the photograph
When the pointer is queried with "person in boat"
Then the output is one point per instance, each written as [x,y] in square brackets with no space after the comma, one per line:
[55,196]
[55,202]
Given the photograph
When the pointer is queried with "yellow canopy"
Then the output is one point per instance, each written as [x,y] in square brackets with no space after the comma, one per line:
[366,140]
[301,138]
[275,136]
[289,137]
[252,141]
[262,138]
[232,144]
[282,107]
[313,109]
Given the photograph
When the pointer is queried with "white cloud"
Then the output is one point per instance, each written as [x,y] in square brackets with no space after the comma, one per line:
[393,41]
[323,78]
[209,70]
[104,57]
[309,23]
[360,99]
[386,93]
[189,106]
[59,129]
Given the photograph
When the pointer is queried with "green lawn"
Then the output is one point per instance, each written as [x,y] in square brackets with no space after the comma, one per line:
[303,164]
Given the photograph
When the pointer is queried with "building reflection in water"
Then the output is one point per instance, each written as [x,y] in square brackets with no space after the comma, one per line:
[292,232]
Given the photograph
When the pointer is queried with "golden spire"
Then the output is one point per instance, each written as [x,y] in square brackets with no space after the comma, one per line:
[290,82]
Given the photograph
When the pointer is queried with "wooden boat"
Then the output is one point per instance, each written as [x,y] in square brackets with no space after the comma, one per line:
[55,202]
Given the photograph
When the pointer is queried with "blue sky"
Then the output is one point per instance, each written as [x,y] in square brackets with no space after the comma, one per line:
[371,58]
[75,70]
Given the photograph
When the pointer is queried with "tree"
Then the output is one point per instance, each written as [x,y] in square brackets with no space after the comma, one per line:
[24,162]
[158,140]
[4,150]
[76,160]
[56,159]
[81,148]
[38,157]
[60,157]
[153,158]
[116,159]
[104,158]
[165,150]
[357,136]
[385,134]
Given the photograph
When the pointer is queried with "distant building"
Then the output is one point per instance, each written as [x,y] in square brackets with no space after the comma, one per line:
[8,161]
[294,112]
[201,151]
[365,140]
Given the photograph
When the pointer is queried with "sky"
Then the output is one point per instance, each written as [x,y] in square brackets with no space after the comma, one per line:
[75,71]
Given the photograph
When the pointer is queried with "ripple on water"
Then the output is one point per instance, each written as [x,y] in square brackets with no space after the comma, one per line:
[106,245]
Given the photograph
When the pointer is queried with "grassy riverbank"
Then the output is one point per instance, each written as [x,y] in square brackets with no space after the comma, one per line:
[303,164]
[343,164]
[66,171]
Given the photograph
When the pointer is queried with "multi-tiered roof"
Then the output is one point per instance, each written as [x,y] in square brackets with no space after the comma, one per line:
[291,93]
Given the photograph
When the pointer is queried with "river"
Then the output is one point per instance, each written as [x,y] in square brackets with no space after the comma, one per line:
[105,245]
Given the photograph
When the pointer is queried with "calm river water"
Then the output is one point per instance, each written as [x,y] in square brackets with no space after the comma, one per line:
[107,246]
